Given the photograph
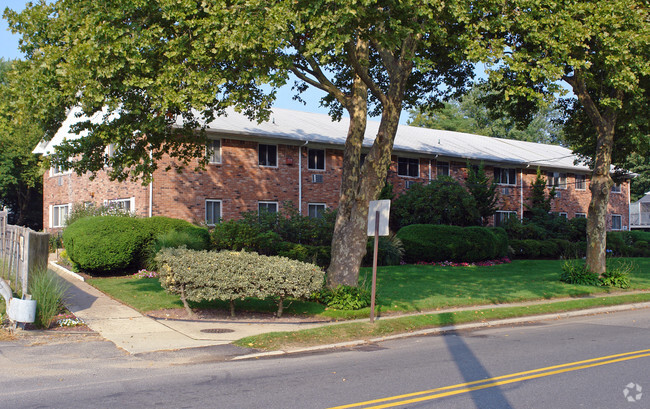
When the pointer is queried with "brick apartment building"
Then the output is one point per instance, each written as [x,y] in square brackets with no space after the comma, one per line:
[297,157]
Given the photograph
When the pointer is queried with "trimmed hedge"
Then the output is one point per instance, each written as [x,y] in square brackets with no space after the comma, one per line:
[112,244]
[428,242]
[629,243]
[231,275]
[547,249]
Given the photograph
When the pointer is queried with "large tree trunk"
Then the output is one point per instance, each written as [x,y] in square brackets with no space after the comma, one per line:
[600,186]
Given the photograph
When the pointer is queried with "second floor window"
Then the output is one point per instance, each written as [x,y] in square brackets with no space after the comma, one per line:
[213,151]
[268,155]
[316,159]
[581,182]
[556,180]
[442,169]
[504,176]
[408,167]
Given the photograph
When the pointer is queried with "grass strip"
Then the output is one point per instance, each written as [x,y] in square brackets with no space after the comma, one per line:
[390,326]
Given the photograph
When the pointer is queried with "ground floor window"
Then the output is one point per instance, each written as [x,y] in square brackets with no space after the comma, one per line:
[564,214]
[212,212]
[316,210]
[617,222]
[267,207]
[581,215]
[126,205]
[60,215]
[502,216]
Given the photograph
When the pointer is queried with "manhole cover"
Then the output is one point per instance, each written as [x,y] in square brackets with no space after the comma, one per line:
[217,330]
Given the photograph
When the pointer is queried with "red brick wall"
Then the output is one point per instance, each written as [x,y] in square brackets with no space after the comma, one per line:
[240,183]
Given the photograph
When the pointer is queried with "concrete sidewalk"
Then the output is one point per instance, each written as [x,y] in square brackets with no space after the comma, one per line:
[136,333]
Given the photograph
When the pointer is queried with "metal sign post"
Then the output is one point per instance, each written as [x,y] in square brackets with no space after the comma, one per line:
[377,226]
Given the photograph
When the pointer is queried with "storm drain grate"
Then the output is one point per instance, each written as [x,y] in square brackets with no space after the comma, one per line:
[217,330]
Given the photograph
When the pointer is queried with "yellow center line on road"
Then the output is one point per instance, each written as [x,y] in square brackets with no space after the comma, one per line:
[496,381]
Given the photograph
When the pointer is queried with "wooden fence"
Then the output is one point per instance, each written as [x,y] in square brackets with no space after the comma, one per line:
[21,251]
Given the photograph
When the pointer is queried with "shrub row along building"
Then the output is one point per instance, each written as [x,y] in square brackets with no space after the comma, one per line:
[297,157]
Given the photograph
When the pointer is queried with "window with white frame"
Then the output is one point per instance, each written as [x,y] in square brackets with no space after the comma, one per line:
[268,155]
[617,222]
[60,215]
[409,183]
[556,180]
[442,169]
[316,210]
[616,188]
[316,159]
[501,217]
[505,176]
[126,205]
[564,214]
[408,167]
[581,182]
[213,151]
[581,215]
[57,170]
[267,207]
[212,212]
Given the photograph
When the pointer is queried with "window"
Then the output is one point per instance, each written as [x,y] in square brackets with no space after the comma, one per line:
[556,180]
[316,210]
[267,207]
[57,170]
[127,205]
[442,169]
[110,150]
[213,151]
[212,212]
[502,216]
[410,183]
[616,188]
[581,215]
[564,214]
[60,215]
[268,155]
[581,182]
[504,176]
[316,159]
[617,222]
[408,167]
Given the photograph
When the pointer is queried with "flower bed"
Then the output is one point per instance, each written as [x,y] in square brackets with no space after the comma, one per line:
[485,263]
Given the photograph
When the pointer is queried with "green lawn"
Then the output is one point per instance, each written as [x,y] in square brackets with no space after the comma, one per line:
[405,288]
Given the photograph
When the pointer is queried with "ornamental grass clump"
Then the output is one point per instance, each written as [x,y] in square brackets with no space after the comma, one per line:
[232,275]
[48,291]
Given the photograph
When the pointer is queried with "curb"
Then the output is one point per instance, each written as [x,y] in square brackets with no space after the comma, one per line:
[65,271]
[449,328]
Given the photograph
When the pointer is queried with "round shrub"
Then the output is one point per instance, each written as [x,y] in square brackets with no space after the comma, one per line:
[237,235]
[106,244]
[428,242]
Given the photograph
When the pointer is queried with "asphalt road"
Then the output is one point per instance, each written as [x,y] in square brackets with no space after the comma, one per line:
[582,362]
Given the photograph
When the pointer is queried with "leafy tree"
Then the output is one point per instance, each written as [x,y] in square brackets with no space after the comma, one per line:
[540,202]
[599,49]
[21,182]
[640,164]
[162,63]
[472,113]
[483,190]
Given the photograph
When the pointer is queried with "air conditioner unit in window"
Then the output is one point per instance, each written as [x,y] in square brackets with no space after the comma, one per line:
[558,194]
[505,190]
[317,178]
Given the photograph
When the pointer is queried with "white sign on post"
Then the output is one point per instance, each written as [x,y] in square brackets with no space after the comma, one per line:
[383,207]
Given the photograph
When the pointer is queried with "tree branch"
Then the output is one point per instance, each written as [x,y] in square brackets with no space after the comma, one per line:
[362,71]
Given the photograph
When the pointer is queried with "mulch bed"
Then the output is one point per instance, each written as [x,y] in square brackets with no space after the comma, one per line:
[223,315]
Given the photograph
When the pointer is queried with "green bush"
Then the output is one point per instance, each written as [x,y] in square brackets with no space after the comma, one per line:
[525,248]
[80,211]
[49,291]
[502,242]
[390,251]
[443,201]
[238,235]
[575,272]
[427,242]
[345,297]
[617,274]
[193,239]
[112,244]
[230,276]
[629,243]
[319,255]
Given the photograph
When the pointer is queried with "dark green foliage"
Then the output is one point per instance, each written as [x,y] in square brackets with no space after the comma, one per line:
[344,297]
[616,275]
[483,190]
[193,239]
[628,243]
[112,244]
[501,243]
[319,255]
[526,248]
[426,242]
[576,272]
[80,211]
[287,233]
[540,203]
[547,249]
[390,251]
[443,201]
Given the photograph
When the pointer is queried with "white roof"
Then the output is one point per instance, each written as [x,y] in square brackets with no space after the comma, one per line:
[295,127]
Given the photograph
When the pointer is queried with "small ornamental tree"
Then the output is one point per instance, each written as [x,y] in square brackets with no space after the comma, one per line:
[483,190]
